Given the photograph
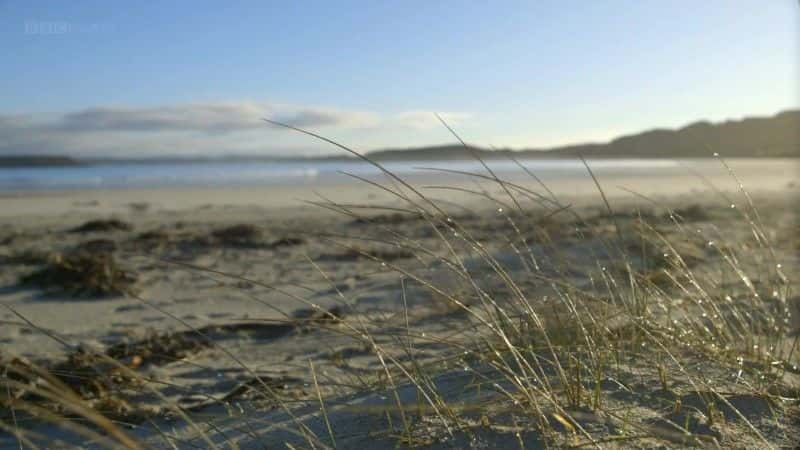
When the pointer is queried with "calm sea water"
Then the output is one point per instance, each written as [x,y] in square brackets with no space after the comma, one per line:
[228,173]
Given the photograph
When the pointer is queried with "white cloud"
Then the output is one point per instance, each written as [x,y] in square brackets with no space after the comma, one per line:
[197,117]
[199,128]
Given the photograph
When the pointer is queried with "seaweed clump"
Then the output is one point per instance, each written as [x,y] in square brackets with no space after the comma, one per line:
[83,274]
[241,235]
[248,236]
[102,225]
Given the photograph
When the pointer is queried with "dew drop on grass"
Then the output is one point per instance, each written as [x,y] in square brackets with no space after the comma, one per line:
[716,154]
[499,210]
[733,206]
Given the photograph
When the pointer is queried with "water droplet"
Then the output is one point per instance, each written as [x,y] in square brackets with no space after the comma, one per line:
[733,206]
[716,154]
[499,210]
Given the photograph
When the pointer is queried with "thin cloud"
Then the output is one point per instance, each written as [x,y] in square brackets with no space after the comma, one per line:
[200,117]
[425,120]
[182,128]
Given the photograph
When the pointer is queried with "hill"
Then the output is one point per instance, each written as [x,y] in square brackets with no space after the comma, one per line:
[777,136]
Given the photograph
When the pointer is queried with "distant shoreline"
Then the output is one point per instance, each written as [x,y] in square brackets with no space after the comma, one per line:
[486,155]
[38,161]
[777,136]
[201,184]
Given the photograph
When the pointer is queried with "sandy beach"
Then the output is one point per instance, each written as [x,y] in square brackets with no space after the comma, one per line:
[219,293]
[399,225]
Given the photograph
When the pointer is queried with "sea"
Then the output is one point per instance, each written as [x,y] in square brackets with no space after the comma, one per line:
[152,174]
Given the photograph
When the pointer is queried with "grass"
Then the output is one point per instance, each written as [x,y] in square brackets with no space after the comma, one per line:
[658,331]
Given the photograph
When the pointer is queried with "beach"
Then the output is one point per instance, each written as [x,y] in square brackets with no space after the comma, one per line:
[218,286]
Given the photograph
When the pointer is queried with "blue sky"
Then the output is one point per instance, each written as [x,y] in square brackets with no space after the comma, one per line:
[155,78]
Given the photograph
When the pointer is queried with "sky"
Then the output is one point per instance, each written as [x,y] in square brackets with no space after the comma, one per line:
[142,79]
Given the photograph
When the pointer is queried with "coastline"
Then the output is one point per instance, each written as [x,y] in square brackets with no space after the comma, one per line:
[756,174]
